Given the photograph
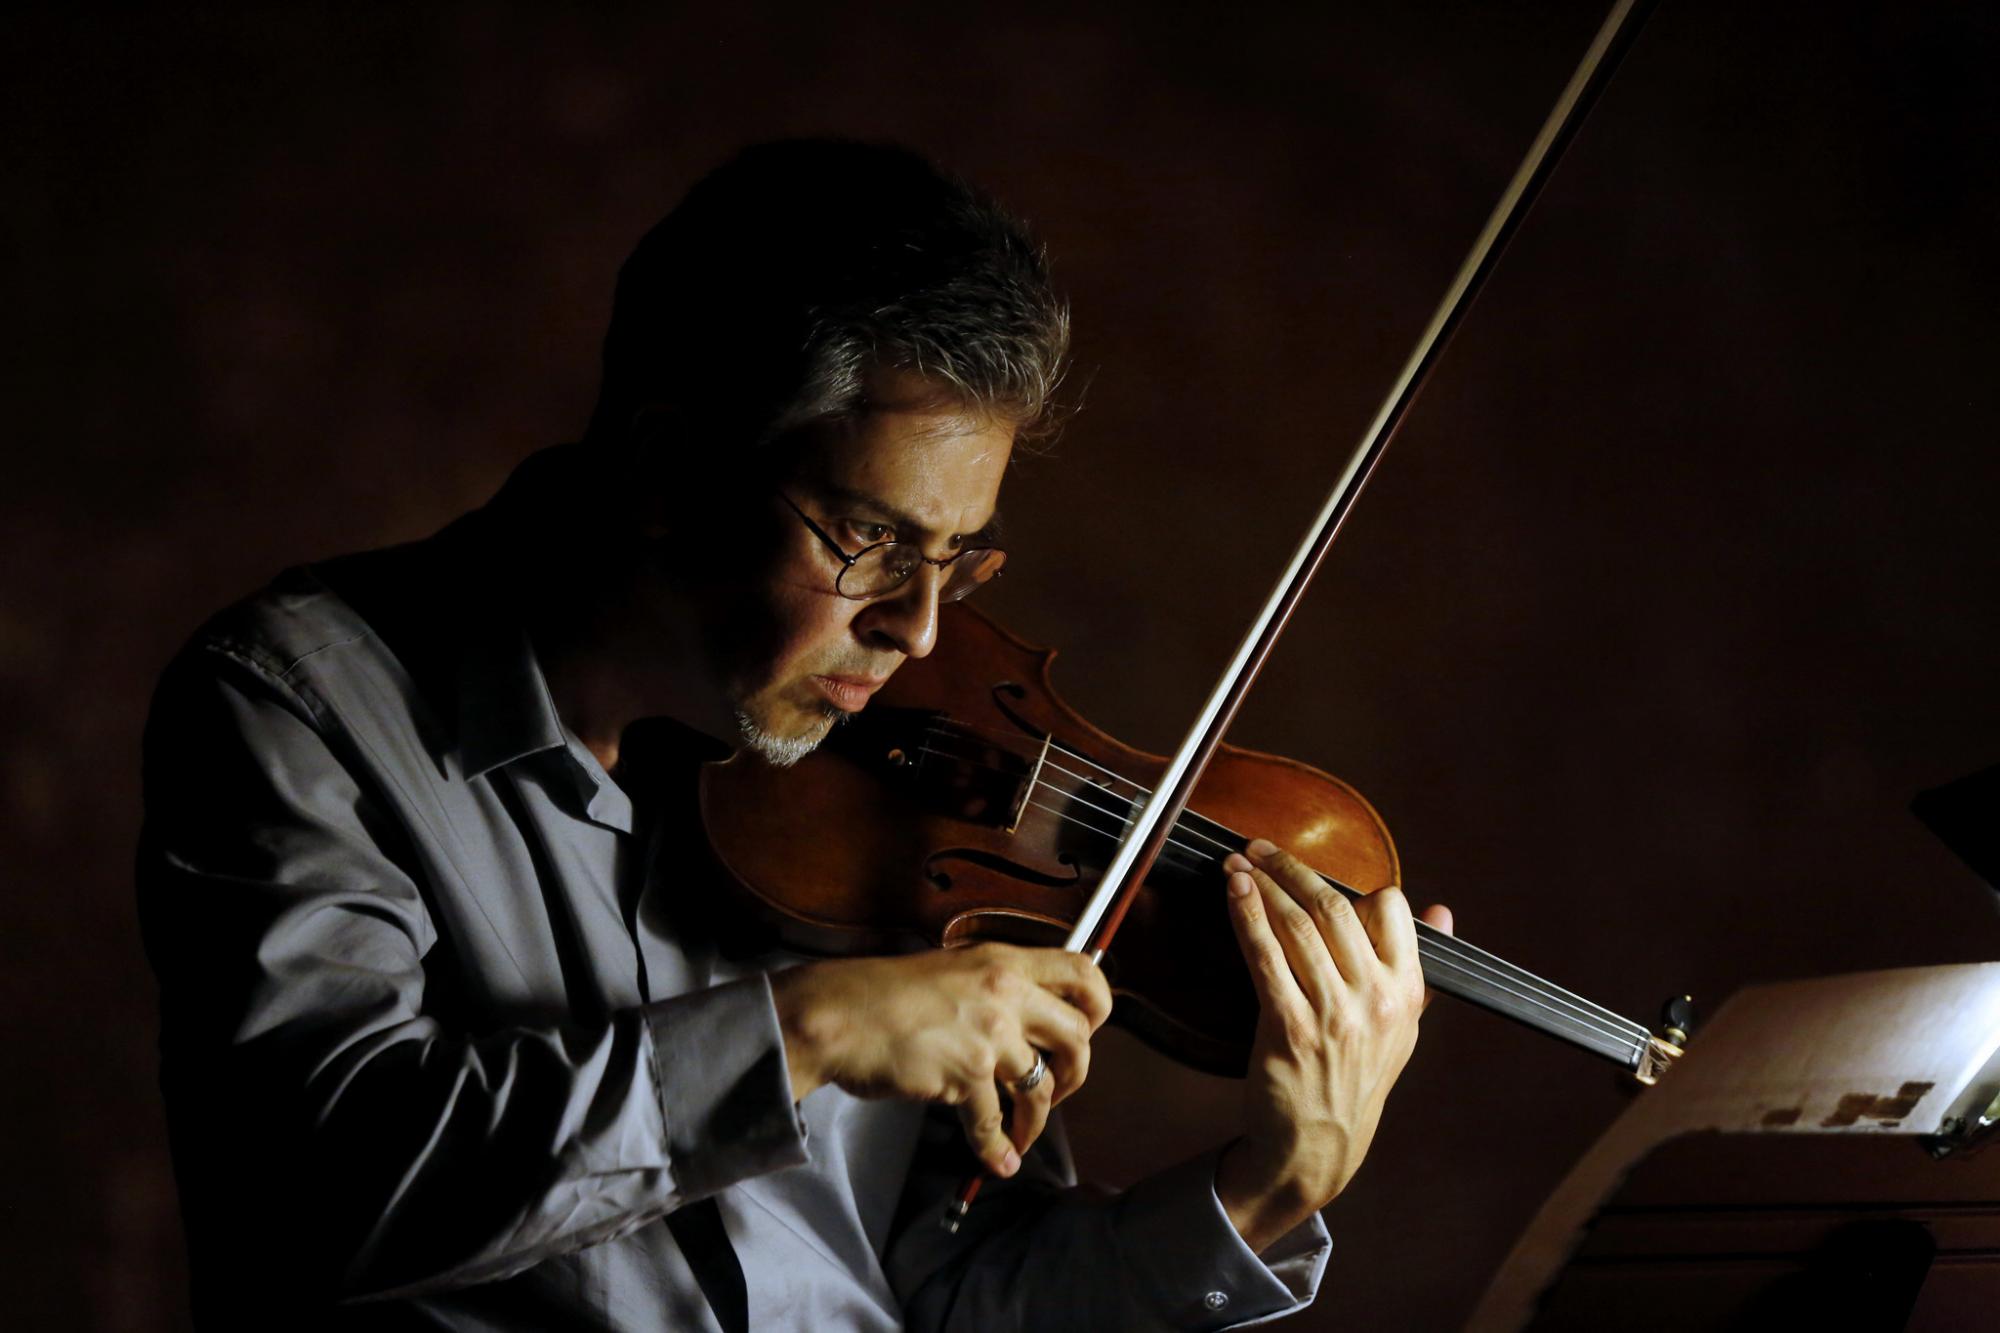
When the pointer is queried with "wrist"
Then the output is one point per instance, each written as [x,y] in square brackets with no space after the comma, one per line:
[1264,1200]
[805,1029]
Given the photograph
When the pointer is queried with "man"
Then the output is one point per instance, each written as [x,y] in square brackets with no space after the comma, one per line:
[453,1034]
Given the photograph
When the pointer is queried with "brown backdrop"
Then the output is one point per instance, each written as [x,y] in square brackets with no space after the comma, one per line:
[1679,584]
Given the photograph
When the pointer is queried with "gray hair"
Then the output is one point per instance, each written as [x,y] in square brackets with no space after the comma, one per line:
[763,302]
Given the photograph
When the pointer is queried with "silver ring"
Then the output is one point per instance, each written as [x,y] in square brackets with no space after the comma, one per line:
[1031,1080]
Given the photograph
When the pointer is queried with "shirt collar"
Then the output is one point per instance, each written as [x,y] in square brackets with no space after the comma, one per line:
[504,709]
[506,714]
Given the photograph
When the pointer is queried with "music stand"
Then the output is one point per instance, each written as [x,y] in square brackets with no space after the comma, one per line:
[1814,1156]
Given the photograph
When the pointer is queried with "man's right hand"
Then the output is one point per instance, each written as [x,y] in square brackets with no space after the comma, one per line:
[952,1026]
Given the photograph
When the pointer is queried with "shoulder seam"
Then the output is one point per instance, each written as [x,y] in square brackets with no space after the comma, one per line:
[356,637]
[257,649]
[260,656]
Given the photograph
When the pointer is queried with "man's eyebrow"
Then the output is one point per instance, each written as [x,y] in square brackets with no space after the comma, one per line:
[902,522]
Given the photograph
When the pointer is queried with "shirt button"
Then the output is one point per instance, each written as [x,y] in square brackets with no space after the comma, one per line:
[1215,1300]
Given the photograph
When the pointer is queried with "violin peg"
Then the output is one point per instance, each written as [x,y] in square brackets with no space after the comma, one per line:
[1677,1019]
[1676,1022]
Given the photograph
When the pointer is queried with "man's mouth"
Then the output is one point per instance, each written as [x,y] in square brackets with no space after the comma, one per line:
[850,694]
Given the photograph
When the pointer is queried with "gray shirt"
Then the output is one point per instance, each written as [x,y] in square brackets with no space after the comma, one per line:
[449,1024]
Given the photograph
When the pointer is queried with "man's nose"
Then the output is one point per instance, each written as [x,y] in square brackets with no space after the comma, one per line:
[907,619]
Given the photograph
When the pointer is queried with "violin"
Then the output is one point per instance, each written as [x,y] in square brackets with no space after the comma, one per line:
[968,802]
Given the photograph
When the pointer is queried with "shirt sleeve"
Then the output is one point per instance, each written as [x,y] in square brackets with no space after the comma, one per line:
[333,1135]
[1037,1252]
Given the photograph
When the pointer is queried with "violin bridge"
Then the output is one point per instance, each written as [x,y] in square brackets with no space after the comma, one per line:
[1659,1054]
[1028,787]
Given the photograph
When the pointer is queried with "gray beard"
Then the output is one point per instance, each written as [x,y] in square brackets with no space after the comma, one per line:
[779,751]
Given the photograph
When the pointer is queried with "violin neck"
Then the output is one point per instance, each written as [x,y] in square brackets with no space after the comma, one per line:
[1469,973]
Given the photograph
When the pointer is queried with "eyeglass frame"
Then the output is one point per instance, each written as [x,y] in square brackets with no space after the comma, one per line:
[848,561]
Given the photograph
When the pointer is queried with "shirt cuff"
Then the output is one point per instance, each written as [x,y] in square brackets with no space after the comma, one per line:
[1181,1250]
[725,1093]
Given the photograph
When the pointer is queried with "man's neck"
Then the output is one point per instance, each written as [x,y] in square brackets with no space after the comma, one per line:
[607,668]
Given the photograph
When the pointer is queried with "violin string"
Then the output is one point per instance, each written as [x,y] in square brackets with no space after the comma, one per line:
[1474,963]
[1632,1039]
[1435,937]
[938,728]
[1493,965]
[1194,855]
[1441,941]
[1444,968]
[1474,960]
[951,726]
[1484,964]
[1077,797]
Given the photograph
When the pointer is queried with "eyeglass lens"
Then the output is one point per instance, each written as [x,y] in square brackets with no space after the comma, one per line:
[883,569]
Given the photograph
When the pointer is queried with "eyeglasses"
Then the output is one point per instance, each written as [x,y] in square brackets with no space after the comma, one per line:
[877,570]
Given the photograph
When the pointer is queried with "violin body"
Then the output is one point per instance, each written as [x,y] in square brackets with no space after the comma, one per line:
[968,802]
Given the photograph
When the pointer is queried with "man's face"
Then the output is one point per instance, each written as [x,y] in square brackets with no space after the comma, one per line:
[915,468]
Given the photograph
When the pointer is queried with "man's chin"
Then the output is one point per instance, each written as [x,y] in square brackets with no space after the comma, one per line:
[783,748]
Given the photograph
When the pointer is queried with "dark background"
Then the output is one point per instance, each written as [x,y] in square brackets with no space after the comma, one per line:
[1680,582]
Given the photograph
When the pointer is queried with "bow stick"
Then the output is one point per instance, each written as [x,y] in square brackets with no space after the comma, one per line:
[1153,822]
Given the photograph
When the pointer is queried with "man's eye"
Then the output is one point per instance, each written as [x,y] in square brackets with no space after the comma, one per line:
[868,534]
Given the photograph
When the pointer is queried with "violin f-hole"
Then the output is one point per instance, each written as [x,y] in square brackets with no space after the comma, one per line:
[937,875]
[1000,693]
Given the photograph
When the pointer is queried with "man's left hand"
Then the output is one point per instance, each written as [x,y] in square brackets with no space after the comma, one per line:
[1340,989]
